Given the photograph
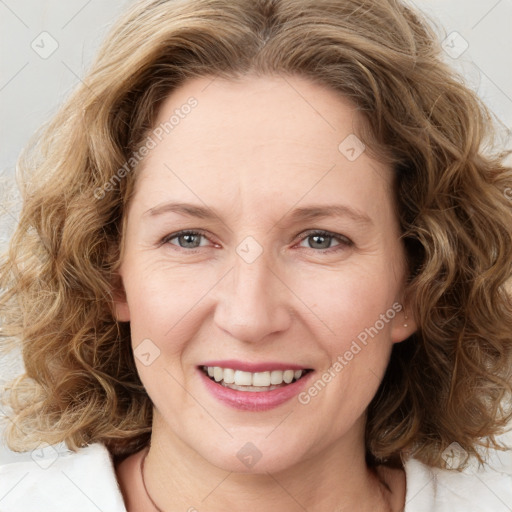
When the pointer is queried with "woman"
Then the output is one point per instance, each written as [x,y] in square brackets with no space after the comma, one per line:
[256,268]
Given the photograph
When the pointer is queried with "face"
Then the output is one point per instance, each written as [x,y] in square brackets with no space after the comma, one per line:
[262,241]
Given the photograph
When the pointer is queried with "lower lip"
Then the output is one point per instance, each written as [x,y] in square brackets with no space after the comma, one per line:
[254,400]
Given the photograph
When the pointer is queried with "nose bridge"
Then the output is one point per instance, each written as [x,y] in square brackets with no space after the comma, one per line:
[252,302]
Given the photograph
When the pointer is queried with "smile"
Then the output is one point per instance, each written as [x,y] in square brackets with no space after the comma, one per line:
[255,382]
[253,386]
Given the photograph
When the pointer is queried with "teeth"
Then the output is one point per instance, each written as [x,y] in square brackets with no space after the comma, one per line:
[288,376]
[218,374]
[257,379]
[229,376]
[276,377]
[261,379]
[241,378]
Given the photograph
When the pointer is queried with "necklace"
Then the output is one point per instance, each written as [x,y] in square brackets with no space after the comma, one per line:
[380,484]
[144,483]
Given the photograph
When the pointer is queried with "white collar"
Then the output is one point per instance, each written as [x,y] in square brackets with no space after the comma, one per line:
[85,481]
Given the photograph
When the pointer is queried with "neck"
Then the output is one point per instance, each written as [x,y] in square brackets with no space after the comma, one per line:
[336,479]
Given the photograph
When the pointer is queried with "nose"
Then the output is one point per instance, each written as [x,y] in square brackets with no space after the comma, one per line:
[252,301]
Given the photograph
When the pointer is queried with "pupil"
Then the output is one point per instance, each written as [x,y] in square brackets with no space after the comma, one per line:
[319,239]
[189,240]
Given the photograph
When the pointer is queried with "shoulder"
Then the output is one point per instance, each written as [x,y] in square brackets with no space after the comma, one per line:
[56,481]
[476,489]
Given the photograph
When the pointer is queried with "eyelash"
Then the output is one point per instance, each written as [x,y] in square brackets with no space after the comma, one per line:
[344,242]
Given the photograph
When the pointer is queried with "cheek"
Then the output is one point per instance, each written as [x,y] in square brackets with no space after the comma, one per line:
[339,302]
[348,300]
[353,316]
[164,299]
[165,311]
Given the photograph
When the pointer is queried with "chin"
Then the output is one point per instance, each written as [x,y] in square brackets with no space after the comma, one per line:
[260,456]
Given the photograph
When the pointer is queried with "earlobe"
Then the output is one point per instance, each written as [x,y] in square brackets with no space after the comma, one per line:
[404,325]
[121,308]
[122,311]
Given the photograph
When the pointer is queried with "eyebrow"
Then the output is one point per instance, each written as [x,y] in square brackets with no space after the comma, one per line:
[307,213]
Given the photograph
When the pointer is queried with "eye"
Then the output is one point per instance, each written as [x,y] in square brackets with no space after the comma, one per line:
[323,239]
[186,239]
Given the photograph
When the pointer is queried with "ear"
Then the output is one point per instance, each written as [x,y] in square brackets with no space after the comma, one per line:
[121,308]
[404,323]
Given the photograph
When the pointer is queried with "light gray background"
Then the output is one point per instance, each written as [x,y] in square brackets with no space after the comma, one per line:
[34,83]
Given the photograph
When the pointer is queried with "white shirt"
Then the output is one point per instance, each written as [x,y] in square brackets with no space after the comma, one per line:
[85,481]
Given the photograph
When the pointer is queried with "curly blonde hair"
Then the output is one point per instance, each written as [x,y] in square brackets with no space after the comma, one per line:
[450,381]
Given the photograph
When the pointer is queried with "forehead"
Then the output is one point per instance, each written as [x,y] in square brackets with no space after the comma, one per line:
[280,112]
[260,141]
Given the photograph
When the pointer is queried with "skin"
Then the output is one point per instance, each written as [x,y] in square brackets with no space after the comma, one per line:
[255,149]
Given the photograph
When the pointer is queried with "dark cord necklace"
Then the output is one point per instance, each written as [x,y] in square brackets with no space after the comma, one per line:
[144,483]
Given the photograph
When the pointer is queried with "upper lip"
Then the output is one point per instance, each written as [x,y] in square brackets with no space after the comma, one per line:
[253,367]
